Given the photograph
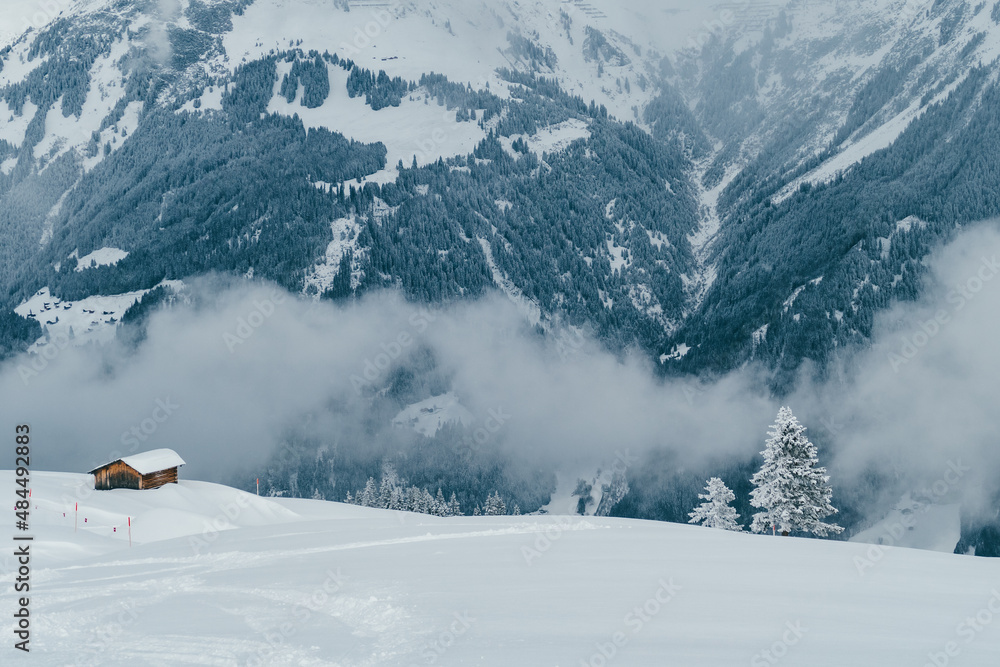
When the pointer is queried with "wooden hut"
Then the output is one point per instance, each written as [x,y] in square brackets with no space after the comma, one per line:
[147,470]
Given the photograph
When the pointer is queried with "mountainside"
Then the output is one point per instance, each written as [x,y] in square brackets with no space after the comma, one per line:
[218,576]
[747,181]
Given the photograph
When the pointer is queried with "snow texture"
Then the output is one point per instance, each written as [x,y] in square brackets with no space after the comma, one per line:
[101,257]
[427,417]
[154,460]
[216,576]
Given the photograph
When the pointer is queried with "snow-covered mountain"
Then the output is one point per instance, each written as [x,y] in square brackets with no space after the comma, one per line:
[218,576]
[669,158]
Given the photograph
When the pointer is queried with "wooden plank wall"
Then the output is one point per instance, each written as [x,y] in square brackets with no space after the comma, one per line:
[155,479]
[116,475]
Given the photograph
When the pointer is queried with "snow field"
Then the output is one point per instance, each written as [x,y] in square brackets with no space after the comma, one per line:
[299,582]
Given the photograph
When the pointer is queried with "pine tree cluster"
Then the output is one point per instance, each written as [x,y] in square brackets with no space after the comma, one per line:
[393,494]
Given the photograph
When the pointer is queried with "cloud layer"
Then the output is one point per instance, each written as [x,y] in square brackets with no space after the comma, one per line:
[220,380]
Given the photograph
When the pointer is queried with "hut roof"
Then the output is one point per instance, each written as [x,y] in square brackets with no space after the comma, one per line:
[152,461]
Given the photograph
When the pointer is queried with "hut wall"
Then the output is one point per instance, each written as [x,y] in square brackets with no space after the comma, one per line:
[159,478]
[116,475]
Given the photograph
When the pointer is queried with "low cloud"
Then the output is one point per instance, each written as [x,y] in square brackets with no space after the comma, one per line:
[223,378]
[249,362]
[925,395]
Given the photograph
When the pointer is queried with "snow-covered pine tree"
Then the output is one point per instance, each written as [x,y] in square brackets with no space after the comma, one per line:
[369,496]
[398,499]
[495,506]
[716,512]
[440,504]
[413,499]
[384,493]
[427,502]
[390,481]
[791,487]
[454,509]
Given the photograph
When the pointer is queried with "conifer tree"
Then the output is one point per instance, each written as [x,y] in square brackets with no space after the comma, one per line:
[385,493]
[495,506]
[716,512]
[791,488]
[369,496]
[454,509]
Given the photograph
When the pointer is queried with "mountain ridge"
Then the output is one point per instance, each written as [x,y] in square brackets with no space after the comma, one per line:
[727,149]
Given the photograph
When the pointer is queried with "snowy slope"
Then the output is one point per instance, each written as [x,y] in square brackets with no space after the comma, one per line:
[917,526]
[413,130]
[92,319]
[105,88]
[17,16]
[563,500]
[468,41]
[298,582]
[873,37]
[427,417]
[101,257]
